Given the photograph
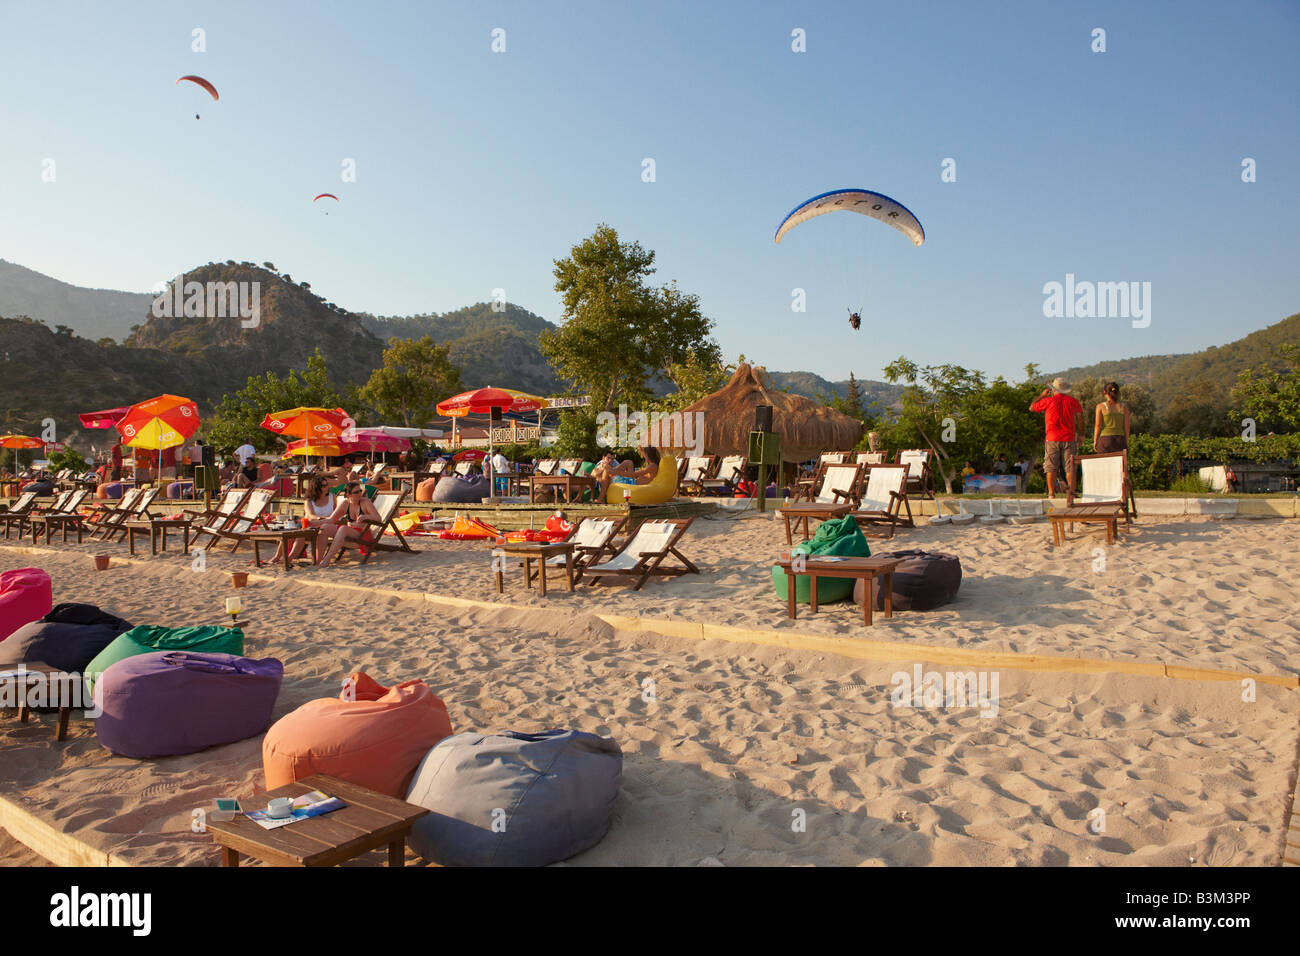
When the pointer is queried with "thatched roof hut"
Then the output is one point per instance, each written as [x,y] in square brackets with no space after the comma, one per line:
[806,427]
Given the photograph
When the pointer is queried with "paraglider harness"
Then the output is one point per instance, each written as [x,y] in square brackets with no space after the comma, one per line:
[855,319]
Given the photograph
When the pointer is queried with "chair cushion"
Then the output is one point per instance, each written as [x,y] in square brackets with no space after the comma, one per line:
[180,702]
[207,639]
[68,638]
[924,580]
[515,799]
[375,742]
[25,596]
[838,536]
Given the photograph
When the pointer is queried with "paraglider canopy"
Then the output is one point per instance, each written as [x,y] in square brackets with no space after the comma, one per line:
[864,201]
[212,90]
[327,196]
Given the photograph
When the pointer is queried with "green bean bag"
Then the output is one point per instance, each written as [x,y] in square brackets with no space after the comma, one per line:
[146,639]
[838,536]
[370,490]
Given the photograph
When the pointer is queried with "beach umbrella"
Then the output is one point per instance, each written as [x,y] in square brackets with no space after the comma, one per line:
[310,447]
[19,441]
[162,422]
[311,423]
[470,454]
[373,440]
[105,419]
[479,401]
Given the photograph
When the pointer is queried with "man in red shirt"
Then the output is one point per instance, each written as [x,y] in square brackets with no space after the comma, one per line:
[1062,415]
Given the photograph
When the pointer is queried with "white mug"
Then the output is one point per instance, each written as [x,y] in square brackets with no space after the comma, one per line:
[279,808]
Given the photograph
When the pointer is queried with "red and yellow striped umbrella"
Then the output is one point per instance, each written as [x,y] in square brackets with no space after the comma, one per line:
[311,448]
[314,424]
[162,422]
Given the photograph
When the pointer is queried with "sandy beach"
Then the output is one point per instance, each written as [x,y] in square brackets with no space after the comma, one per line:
[744,754]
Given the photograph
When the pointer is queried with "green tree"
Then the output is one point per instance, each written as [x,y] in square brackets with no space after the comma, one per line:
[415,376]
[695,378]
[619,332]
[239,415]
[1271,395]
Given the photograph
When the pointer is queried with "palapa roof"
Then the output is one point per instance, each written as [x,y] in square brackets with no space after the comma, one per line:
[807,428]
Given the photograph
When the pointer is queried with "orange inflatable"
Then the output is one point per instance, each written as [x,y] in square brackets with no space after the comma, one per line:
[373,736]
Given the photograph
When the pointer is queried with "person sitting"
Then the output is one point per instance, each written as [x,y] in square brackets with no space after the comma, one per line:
[319,507]
[246,477]
[352,523]
[278,472]
[1000,466]
[611,472]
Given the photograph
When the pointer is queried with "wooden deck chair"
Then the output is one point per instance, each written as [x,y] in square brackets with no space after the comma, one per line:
[45,522]
[642,554]
[694,471]
[545,466]
[216,520]
[570,466]
[377,472]
[871,458]
[19,511]
[134,507]
[884,499]
[591,540]
[436,467]
[920,476]
[463,468]
[251,514]
[729,472]
[386,503]
[1104,483]
[835,484]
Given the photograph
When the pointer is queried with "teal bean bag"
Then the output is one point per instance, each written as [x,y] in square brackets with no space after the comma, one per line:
[839,536]
[147,639]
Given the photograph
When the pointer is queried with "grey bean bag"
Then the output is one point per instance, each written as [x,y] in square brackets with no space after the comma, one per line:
[515,799]
[923,581]
[68,638]
[461,490]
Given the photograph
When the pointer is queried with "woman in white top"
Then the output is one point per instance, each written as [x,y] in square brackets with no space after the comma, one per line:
[319,505]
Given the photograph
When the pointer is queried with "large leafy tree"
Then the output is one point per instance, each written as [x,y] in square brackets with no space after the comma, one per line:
[239,415]
[415,376]
[619,332]
[1271,395]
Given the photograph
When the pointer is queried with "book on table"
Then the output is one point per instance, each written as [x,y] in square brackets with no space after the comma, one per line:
[305,806]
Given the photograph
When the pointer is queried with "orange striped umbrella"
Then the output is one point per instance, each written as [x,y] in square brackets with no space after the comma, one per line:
[162,422]
[19,441]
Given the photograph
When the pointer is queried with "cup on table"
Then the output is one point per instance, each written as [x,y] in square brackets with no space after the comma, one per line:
[306,523]
[279,808]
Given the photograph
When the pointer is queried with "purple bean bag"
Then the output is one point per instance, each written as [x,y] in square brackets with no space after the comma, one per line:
[25,596]
[180,489]
[179,702]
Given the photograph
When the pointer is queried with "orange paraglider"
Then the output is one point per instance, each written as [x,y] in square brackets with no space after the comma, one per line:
[200,81]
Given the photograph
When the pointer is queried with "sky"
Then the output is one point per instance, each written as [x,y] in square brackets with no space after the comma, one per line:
[476,169]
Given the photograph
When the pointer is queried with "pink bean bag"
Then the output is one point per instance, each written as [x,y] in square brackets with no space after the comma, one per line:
[25,596]
[375,740]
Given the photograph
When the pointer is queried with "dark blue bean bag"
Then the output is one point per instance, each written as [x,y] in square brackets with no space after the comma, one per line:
[68,638]
[515,799]
[460,490]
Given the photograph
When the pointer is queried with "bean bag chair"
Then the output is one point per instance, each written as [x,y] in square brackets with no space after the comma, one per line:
[424,490]
[42,487]
[375,740]
[515,799]
[461,490]
[924,580]
[660,489]
[180,489]
[839,536]
[25,596]
[179,702]
[108,489]
[206,639]
[68,638]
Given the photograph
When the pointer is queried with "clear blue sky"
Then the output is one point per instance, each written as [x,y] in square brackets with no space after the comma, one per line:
[475,170]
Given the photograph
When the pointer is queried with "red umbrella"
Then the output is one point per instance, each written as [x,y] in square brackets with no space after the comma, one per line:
[469,454]
[478,401]
[105,419]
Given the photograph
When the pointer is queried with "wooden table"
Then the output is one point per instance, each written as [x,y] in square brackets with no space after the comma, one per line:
[283,537]
[530,551]
[60,691]
[370,820]
[157,529]
[863,568]
[1107,515]
[555,481]
[812,509]
[45,524]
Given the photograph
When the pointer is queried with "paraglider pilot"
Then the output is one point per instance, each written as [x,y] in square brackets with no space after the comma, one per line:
[855,319]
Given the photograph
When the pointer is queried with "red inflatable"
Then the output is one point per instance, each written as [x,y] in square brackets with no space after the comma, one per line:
[25,596]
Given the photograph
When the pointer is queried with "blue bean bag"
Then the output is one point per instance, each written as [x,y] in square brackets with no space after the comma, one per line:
[461,490]
[68,638]
[514,799]
[838,536]
[178,702]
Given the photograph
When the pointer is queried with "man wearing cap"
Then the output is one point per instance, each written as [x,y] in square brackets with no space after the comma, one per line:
[1062,412]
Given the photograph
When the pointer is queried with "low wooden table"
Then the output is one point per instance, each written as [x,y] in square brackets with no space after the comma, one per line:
[568,482]
[811,509]
[157,529]
[45,524]
[61,690]
[370,820]
[863,568]
[283,537]
[1107,515]
[530,551]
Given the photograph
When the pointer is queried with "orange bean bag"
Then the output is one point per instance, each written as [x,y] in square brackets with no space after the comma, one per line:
[376,739]
[424,490]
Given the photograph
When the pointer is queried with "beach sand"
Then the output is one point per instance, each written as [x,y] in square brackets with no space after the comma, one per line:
[750,755]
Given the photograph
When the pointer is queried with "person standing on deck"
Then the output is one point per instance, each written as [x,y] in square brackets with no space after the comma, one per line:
[1061,417]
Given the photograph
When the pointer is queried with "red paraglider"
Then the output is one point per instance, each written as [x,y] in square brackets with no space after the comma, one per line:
[200,81]
[327,196]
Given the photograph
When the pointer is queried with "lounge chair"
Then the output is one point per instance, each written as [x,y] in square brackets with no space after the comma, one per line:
[837,484]
[569,466]
[642,554]
[729,473]
[137,509]
[1104,483]
[884,499]
[694,471]
[386,503]
[214,521]
[19,511]
[920,477]
[45,522]
[463,468]
[545,466]
[871,458]
[377,472]
[591,540]
[251,514]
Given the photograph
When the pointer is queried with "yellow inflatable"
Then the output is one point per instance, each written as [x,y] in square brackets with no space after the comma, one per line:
[661,488]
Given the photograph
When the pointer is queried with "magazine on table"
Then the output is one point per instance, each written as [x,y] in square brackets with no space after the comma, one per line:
[307,805]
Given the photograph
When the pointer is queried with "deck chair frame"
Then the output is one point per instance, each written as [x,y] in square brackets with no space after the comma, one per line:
[924,477]
[21,508]
[386,524]
[1125,500]
[891,515]
[730,471]
[694,484]
[113,525]
[215,520]
[648,563]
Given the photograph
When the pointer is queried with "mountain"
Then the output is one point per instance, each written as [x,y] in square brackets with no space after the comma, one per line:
[814,386]
[90,313]
[492,348]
